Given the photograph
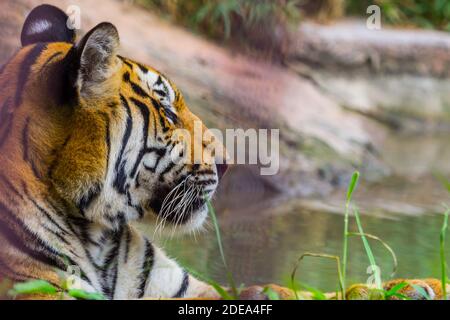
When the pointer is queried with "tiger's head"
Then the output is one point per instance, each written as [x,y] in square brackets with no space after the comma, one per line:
[112,137]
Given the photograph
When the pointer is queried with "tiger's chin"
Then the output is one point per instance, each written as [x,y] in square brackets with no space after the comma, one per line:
[195,222]
[184,223]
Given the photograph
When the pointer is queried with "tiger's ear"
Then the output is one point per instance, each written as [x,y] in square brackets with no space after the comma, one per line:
[46,23]
[98,62]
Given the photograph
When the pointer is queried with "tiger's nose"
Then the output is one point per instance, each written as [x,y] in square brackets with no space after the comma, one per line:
[221,169]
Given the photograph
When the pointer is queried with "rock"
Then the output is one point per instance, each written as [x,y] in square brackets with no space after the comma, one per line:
[398,77]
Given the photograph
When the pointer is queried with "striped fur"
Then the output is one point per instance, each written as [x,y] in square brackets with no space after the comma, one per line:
[86,142]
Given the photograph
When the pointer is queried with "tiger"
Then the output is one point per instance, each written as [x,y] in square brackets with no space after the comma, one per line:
[87,147]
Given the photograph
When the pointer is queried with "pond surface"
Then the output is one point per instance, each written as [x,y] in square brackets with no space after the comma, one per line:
[262,243]
[264,234]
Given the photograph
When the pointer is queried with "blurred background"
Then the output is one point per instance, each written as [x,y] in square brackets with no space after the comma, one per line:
[345,96]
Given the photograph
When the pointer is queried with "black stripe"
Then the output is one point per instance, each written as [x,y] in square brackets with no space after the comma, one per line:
[42,210]
[160,111]
[155,129]
[127,244]
[160,82]
[138,90]
[125,62]
[112,254]
[138,208]
[6,121]
[143,68]
[171,115]
[83,230]
[25,133]
[169,167]
[205,172]
[120,178]
[162,93]
[110,258]
[72,230]
[26,148]
[57,234]
[134,86]
[116,266]
[184,286]
[35,170]
[50,59]
[146,266]
[107,139]
[145,117]
[160,153]
[114,282]
[92,193]
[112,104]
[25,69]
[116,220]
[13,274]
[32,245]
[206,182]
[55,161]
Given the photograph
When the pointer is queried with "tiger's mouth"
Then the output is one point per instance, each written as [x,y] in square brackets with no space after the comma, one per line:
[182,204]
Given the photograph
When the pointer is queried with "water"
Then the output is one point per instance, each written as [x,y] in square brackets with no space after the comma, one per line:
[263,244]
[264,234]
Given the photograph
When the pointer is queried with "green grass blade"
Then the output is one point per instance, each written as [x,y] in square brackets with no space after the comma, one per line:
[388,248]
[367,248]
[315,293]
[351,188]
[222,254]
[395,289]
[84,295]
[317,255]
[272,295]
[220,290]
[33,287]
[444,277]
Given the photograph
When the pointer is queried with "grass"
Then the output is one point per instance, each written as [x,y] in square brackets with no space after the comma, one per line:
[369,252]
[385,245]
[430,14]
[317,255]
[350,190]
[444,278]
[265,26]
[42,287]
[395,291]
[342,267]
[231,281]
[261,26]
